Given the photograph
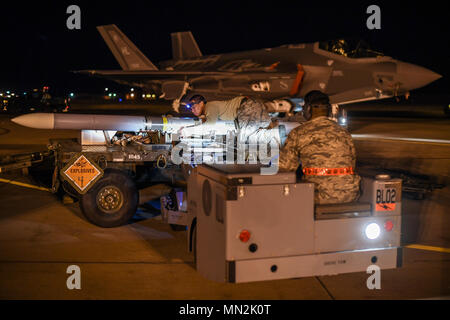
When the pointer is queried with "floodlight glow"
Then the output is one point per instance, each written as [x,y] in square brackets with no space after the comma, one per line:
[373,231]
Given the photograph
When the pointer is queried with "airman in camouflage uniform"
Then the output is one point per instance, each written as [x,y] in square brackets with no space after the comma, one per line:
[326,152]
[251,115]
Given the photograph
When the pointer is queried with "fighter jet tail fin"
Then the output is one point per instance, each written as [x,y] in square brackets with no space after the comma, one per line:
[184,46]
[125,52]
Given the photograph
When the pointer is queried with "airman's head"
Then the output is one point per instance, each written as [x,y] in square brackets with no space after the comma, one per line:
[197,103]
[317,104]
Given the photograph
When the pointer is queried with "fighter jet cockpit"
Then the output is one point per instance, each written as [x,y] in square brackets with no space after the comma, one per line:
[350,48]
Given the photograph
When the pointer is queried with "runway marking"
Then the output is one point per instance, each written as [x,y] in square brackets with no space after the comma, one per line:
[428,248]
[414,140]
[26,185]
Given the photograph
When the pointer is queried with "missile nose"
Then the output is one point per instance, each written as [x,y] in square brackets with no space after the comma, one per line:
[36,120]
[413,76]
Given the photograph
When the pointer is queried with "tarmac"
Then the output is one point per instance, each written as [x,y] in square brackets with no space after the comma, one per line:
[40,237]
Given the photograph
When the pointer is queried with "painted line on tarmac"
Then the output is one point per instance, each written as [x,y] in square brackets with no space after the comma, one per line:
[414,140]
[26,185]
[428,248]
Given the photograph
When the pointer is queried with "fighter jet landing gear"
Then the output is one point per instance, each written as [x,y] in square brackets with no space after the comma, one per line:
[339,114]
[112,201]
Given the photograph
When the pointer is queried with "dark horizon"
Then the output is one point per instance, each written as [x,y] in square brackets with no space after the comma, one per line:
[39,50]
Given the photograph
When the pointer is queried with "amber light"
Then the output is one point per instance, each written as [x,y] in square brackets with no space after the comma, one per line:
[388,225]
[244,236]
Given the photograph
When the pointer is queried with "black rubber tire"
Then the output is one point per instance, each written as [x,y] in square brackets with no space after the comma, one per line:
[130,200]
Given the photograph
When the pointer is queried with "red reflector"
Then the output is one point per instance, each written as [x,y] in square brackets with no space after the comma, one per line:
[388,225]
[244,236]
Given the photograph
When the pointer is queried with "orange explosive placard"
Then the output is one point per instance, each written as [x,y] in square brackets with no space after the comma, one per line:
[81,173]
[385,207]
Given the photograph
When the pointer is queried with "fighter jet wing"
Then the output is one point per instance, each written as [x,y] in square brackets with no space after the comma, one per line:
[358,95]
[153,75]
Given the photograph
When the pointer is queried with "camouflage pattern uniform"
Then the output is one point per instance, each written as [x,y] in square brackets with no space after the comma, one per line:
[252,118]
[252,115]
[322,143]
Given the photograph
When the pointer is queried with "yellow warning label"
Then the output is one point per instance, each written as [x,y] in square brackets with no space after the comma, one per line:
[82,172]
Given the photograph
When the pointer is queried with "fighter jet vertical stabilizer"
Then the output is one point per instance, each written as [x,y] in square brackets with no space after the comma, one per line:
[184,46]
[126,53]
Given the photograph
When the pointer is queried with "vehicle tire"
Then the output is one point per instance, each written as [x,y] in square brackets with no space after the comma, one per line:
[112,201]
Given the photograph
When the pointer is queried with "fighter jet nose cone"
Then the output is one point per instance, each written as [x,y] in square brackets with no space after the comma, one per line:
[36,120]
[413,76]
[435,76]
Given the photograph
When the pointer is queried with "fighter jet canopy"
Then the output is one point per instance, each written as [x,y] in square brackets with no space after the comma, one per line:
[351,48]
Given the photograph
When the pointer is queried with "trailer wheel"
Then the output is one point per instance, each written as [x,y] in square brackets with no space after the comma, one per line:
[112,201]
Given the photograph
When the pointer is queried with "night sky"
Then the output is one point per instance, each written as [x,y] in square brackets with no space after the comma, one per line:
[38,49]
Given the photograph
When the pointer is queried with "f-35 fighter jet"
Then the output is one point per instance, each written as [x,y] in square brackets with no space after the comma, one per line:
[348,71]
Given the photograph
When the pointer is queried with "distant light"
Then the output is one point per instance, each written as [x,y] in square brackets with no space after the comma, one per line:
[1,94]
[153,96]
[24,93]
[120,99]
[106,89]
[114,94]
[110,94]
[71,94]
[13,94]
[132,89]
[343,121]
[188,106]
[132,95]
[7,92]
[148,95]
[143,96]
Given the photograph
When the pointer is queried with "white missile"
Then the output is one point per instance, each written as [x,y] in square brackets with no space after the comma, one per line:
[102,122]
[128,123]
